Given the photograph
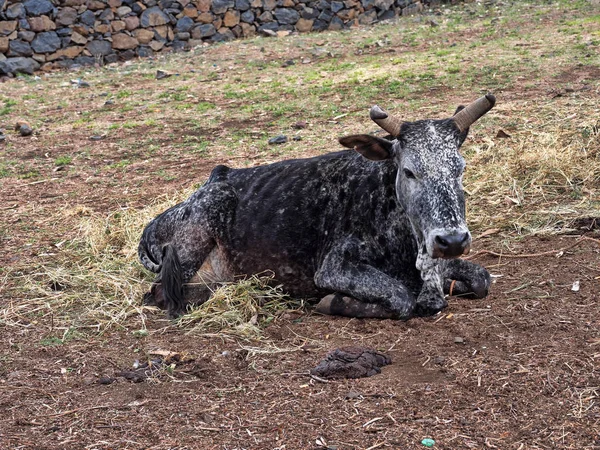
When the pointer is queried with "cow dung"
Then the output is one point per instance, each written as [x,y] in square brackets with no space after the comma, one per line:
[351,362]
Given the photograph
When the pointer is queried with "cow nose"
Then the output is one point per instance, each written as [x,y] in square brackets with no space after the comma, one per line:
[451,245]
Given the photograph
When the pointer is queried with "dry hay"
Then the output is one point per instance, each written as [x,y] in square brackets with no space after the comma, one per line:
[544,175]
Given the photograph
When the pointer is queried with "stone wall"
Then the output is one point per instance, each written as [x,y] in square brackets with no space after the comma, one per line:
[46,34]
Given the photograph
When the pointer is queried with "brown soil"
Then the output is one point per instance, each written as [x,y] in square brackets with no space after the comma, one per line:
[518,370]
[524,374]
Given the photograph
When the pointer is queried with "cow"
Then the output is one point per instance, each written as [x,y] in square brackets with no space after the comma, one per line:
[373,232]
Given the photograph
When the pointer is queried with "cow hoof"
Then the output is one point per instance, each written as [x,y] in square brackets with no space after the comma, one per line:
[339,305]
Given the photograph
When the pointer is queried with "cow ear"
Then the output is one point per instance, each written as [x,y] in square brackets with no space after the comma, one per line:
[370,147]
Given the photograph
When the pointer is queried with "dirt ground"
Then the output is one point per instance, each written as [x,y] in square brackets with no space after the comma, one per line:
[517,370]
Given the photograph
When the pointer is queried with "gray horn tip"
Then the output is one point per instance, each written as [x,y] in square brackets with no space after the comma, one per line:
[491,98]
[377,113]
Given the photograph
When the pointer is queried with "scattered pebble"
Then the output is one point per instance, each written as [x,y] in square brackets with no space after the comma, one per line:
[297,138]
[109,102]
[97,137]
[80,83]
[160,74]
[352,395]
[281,139]
[459,340]
[289,62]
[300,125]
[24,129]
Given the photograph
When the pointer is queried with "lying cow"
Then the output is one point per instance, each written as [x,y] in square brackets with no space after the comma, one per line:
[376,232]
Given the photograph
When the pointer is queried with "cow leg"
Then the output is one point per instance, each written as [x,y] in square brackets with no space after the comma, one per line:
[187,235]
[361,290]
[466,279]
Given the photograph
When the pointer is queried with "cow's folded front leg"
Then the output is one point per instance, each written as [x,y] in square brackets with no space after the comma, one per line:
[362,290]
[466,279]
[431,298]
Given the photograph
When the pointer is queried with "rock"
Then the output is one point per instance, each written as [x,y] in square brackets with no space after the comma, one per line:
[4,44]
[153,17]
[184,25]
[281,139]
[19,48]
[160,74]
[99,48]
[337,6]
[102,28]
[265,17]
[95,5]
[459,340]
[205,17]
[204,5]
[297,138]
[24,129]
[247,16]
[269,5]
[131,22]
[66,16]
[78,39]
[164,32]
[300,125]
[143,36]
[351,362]
[231,18]
[123,11]
[15,11]
[203,31]
[42,23]
[64,32]
[122,41]
[7,27]
[336,24]
[242,5]
[46,42]
[269,29]
[156,45]
[88,18]
[183,36]
[247,29]
[220,6]
[190,11]
[117,26]
[286,16]
[68,52]
[304,25]
[309,13]
[114,3]
[38,7]
[348,14]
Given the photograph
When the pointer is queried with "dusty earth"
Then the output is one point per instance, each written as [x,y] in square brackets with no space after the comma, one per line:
[518,370]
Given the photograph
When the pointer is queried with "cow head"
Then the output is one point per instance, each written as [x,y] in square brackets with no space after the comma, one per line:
[430,169]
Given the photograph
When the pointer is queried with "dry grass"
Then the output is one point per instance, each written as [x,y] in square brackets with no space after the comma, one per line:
[241,308]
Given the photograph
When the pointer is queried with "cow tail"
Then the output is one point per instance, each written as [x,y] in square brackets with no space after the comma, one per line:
[171,276]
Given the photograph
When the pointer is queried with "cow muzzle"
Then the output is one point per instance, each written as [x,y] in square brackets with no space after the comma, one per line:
[451,245]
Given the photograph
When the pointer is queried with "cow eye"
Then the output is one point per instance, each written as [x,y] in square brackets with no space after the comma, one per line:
[408,174]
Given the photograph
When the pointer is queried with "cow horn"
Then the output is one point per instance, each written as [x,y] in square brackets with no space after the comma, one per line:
[472,112]
[390,124]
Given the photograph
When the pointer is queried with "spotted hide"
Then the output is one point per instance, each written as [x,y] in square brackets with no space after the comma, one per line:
[373,232]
